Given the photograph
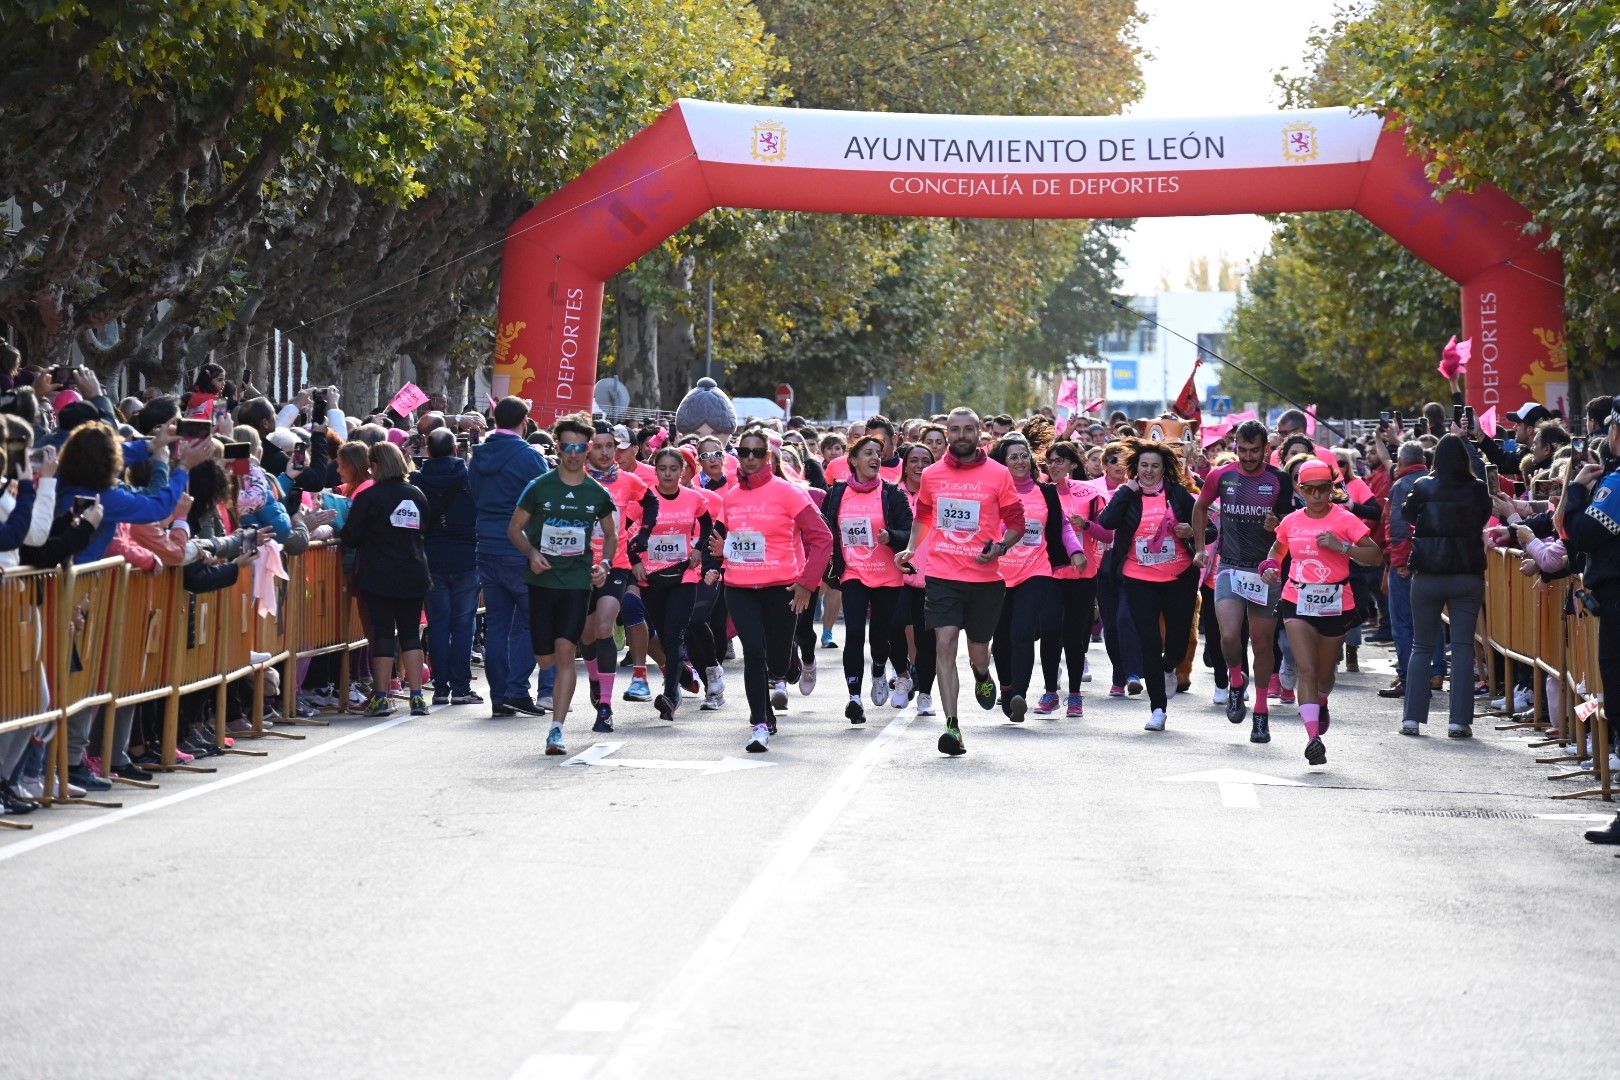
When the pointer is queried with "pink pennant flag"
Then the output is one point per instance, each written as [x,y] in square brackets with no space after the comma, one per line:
[1241,417]
[1310,419]
[1215,432]
[409,398]
[1069,394]
[1487,421]
[1094,406]
[1454,357]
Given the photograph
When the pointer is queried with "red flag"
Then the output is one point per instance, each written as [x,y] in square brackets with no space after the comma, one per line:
[1186,405]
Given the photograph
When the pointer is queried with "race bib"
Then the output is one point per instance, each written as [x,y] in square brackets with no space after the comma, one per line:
[1250,587]
[562,540]
[858,532]
[1147,556]
[667,548]
[405,516]
[745,547]
[957,515]
[1034,533]
[1318,600]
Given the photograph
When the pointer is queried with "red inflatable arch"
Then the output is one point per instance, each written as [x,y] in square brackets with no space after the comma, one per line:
[700,155]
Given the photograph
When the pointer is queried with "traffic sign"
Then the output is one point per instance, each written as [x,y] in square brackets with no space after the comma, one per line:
[784,398]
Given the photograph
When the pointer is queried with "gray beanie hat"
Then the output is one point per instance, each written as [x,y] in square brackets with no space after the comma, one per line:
[705,403]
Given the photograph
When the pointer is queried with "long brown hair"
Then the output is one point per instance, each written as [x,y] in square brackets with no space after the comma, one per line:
[1136,447]
[91,458]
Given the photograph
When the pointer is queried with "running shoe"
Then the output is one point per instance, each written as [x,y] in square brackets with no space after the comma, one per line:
[807,677]
[1235,707]
[1016,708]
[554,743]
[466,697]
[1116,691]
[1171,688]
[441,697]
[1155,722]
[770,721]
[854,713]
[544,703]
[715,679]
[1222,695]
[880,689]
[1261,732]
[1048,704]
[665,707]
[712,702]
[418,705]
[1085,671]
[1274,688]
[900,692]
[1315,752]
[1459,731]
[1133,685]
[638,690]
[951,742]
[761,740]
[379,705]
[1410,727]
[1076,707]
[1286,697]
[925,705]
[689,678]
[779,695]
[984,690]
[827,641]
[324,697]
[604,718]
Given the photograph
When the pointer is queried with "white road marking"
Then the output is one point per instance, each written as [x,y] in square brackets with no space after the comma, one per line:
[637,1051]
[1575,817]
[556,1067]
[90,824]
[597,754]
[1237,787]
[598,1016]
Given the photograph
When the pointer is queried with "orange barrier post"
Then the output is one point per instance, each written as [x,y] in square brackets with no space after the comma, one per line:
[1519,639]
[271,635]
[320,619]
[29,601]
[1552,657]
[85,627]
[194,646]
[235,654]
[1584,678]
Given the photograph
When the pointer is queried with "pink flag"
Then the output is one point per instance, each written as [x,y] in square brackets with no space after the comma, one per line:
[409,398]
[1487,421]
[1454,357]
[1095,406]
[1216,432]
[1069,394]
[1241,417]
[1310,419]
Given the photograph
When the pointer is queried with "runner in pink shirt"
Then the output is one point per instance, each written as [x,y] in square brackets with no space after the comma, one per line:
[918,673]
[776,548]
[1318,605]
[1030,610]
[1082,501]
[968,516]
[870,520]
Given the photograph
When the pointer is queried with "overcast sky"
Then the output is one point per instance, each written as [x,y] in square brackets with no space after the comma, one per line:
[1211,59]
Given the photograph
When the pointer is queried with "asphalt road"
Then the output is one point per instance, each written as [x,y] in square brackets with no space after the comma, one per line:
[435,898]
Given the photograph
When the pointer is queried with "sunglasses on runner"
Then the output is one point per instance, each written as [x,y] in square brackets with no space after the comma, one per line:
[1316,487]
[573,448]
[753,451]
[711,455]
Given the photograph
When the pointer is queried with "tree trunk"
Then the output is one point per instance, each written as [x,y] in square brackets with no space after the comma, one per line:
[638,347]
[677,339]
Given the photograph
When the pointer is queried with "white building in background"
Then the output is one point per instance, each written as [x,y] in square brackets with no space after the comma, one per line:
[1148,365]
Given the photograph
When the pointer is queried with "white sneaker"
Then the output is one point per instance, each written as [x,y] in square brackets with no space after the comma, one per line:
[1499,703]
[546,703]
[1220,695]
[712,701]
[761,741]
[324,697]
[31,787]
[779,694]
[715,680]
[900,695]
[1155,722]
[358,695]
[925,704]
[880,689]
[807,678]
[1085,671]
[257,657]
[1523,698]
[1169,684]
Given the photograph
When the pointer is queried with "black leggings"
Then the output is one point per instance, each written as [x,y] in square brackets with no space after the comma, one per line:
[669,609]
[395,622]
[858,600]
[1174,601]
[699,636]
[1029,611]
[1077,598]
[908,611]
[765,627]
[1608,597]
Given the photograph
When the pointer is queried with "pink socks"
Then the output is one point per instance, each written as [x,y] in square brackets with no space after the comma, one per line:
[1311,715]
[1235,677]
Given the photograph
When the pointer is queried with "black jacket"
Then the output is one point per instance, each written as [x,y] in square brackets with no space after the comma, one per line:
[1123,515]
[1448,521]
[1593,549]
[381,528]
[896,519]
[450,529]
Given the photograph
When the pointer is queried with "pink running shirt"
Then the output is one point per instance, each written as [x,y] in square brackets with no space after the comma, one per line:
[966,508]
[1314,565]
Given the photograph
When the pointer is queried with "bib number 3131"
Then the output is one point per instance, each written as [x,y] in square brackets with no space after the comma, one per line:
[745,547]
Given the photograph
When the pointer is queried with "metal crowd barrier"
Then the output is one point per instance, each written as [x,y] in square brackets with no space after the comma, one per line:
[1540,625]
[104,636]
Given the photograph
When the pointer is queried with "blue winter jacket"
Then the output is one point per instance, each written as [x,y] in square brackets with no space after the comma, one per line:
[502,466]
[449,532]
